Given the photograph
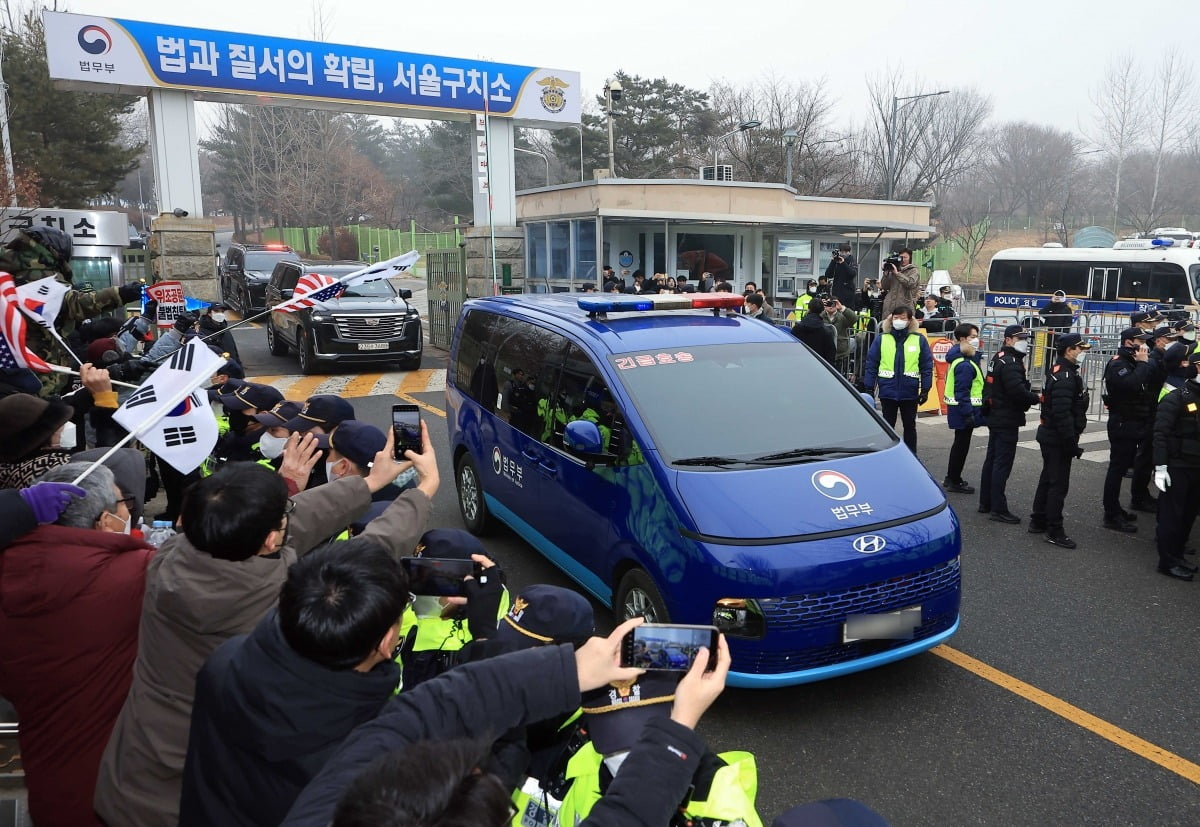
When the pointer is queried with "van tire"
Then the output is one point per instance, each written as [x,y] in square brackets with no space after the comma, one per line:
[470,496]
[638,596]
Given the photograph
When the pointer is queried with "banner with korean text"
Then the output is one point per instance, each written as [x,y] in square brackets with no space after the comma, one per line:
[131,55]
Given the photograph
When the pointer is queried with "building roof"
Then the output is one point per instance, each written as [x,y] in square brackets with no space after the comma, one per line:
[748,204]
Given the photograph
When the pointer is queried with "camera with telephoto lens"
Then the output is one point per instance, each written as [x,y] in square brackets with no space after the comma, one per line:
[892,263]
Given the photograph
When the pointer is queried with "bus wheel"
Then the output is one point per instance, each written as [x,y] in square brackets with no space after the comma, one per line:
[637,596]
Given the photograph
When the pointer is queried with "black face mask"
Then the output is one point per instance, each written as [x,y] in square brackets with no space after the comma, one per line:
[238,421]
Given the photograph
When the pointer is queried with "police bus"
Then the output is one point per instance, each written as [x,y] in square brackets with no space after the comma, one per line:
[1132,275]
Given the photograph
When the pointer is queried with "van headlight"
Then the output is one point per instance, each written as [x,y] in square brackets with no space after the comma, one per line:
[739,617]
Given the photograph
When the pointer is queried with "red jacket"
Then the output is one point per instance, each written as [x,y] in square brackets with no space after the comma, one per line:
[70,602]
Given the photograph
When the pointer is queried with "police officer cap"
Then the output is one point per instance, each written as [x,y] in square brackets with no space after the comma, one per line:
[616,713]
[1136,333]
[1183,326]
[449,543]
[1139,317]
[547,614]
[1016,330]
[1067,340]
[357,441]
[1160,332]
[251,395]
[278,415]
[1194,357]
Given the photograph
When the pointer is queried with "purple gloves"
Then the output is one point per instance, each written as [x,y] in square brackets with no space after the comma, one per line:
[48,500]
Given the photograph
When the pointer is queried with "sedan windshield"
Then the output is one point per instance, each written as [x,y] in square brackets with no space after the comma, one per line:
[747,405]
[264,262]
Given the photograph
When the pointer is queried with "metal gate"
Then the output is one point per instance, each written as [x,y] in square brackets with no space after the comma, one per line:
[446,283]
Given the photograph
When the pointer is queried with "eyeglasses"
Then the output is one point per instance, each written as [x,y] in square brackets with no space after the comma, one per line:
[128,501]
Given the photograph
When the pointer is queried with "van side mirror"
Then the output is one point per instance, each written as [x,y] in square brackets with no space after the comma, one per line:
[405,293]
[286,292]
[582,439]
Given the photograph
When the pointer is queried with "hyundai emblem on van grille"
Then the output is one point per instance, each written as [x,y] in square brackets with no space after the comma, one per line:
[869,543]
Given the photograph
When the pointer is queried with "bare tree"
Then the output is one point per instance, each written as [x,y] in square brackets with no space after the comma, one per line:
[1171,117]
[1027,166]
[1120,120]
[932,142]
[966,218]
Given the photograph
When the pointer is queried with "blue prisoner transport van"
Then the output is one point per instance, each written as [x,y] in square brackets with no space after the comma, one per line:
[700,467]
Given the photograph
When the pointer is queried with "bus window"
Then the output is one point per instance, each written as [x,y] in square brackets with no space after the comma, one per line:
[1005,277]
[1168,282]
[1047,276]
[1135,281]
[1104,283]
[1195,273]
[1073,278]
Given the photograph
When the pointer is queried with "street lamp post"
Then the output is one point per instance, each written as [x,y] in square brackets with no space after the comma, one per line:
[612,92]
[789,140]
[580,128]
[540,155]
[891,136]
[742,127]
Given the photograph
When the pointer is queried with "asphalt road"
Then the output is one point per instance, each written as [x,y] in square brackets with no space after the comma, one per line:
[1065,698]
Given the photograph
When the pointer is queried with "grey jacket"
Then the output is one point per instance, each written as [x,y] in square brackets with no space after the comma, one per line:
[902,288]
[194,603]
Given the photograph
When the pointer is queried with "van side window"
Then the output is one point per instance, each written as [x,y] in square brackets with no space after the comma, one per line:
[473,372]
[584,395]
[527,362]
[286,277]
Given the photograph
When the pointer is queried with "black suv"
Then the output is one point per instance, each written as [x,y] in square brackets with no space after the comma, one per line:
[367,323]
[245,272]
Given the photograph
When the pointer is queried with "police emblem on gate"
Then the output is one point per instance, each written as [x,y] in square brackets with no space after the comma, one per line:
[869,544]
[553,98]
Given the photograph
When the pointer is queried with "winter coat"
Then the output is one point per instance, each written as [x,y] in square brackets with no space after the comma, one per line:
[1176,436]
[495,695]
[843,322]
[843,276]
[1065,401]
[70,599]
[1006,391]
[1056,315]
[1126,391]
[903,287]
[815,332]
[963,414]
[195,602]
[264,722]
[899,386]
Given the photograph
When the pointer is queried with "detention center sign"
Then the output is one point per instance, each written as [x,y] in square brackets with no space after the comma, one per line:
[132,57]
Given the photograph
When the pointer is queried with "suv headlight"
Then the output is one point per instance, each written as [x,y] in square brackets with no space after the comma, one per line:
[320,317]
[739,617]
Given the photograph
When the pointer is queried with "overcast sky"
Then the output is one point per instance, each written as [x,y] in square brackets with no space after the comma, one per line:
[1036,59]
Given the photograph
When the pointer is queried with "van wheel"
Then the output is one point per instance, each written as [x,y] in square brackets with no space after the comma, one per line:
[470,496]
[308,359]
[637,596]
[274,343]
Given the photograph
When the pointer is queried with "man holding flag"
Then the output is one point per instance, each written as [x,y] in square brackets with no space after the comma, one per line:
[40,253]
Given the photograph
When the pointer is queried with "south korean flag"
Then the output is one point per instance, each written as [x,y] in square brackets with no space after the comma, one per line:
[167,413]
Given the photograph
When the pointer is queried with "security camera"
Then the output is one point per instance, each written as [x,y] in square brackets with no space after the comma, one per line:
[615,90]
[179,212]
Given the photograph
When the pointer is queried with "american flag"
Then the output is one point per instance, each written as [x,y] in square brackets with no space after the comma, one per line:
[311,290]
[13,353]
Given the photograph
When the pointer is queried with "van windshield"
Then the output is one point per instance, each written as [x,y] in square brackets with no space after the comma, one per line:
[756,403]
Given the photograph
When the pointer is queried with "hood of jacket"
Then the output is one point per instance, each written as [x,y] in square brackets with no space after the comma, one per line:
[50,566]
[282,706]
[953,353]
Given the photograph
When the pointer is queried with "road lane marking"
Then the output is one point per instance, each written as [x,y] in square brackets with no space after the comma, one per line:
[1110,732]
[361,385]
[305,386]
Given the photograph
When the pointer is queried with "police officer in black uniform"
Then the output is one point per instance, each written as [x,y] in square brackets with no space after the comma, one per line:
[1177,472]
[1065,401]
[1127,380]
[1006,398]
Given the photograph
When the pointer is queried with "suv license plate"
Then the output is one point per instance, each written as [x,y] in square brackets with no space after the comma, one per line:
[372,345]
[891,626]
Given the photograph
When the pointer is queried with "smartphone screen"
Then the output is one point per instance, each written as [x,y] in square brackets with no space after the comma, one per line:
[437,575]
[668,647]
[406,430]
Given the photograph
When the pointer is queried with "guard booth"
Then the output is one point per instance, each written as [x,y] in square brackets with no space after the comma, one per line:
[99,237]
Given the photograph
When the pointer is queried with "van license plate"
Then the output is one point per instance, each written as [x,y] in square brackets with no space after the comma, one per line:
[890,626]
[372,345]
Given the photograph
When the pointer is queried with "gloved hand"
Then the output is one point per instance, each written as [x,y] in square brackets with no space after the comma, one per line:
[922,397]
[48,500]
[1162,480]
[980,419]
[129,293]
[483,601]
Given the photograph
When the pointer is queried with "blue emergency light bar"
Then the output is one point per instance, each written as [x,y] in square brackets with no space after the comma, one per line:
[1163,242]
[662,301]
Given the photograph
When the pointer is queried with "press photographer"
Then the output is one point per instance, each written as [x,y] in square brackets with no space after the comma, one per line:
[902,282]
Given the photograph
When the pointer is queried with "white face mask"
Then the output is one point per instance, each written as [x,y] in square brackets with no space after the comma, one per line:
[127,525]
[1079,358]
[272,446]
[1021,346]
[67,438]
[974,343]
[329,475]
[1191,337]
[899,324]
[218,317]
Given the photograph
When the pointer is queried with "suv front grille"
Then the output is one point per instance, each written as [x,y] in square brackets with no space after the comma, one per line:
[805,610]
[370,328]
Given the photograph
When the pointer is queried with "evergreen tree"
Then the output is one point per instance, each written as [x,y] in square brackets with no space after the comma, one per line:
[70,141]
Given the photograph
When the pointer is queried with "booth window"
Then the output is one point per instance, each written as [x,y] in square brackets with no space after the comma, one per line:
[94,272]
